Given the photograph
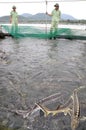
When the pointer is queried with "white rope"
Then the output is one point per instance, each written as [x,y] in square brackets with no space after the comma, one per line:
[41,1]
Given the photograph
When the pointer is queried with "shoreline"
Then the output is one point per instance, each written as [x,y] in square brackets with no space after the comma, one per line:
[43,25]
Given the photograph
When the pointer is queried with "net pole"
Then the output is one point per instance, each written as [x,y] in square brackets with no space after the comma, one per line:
[46,19]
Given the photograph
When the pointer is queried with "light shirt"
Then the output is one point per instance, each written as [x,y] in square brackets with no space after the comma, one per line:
[14,16]
[56,15]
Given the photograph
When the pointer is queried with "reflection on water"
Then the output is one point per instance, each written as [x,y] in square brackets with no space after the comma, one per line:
[36,68]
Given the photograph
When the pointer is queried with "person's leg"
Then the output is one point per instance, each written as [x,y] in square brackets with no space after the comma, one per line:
[16,28]
[51,30]
[12,29]
[55,29]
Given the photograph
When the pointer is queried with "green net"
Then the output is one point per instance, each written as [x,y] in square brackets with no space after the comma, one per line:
[44,33]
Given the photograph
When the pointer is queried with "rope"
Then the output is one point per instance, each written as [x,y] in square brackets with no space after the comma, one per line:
[40,1]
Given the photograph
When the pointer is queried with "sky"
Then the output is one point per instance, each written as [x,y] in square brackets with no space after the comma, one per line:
[76,8]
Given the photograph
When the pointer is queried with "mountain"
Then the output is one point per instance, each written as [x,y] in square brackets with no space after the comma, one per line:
[26,17]
[67,17]
[38,16]
[6,19]
[43,16]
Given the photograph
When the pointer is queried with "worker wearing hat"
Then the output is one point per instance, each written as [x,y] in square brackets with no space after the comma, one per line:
[14,20]
[56,14]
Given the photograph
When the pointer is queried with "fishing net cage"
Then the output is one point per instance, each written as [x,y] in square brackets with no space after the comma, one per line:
[35,30]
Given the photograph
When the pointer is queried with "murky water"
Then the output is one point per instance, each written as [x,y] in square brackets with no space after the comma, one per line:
[31,69]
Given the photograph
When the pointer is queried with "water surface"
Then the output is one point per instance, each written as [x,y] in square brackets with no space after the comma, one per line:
[31,69]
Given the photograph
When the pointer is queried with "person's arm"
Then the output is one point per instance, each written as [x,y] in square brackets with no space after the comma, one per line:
[59,14]
[17,18]
[11,17]
[48,14]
